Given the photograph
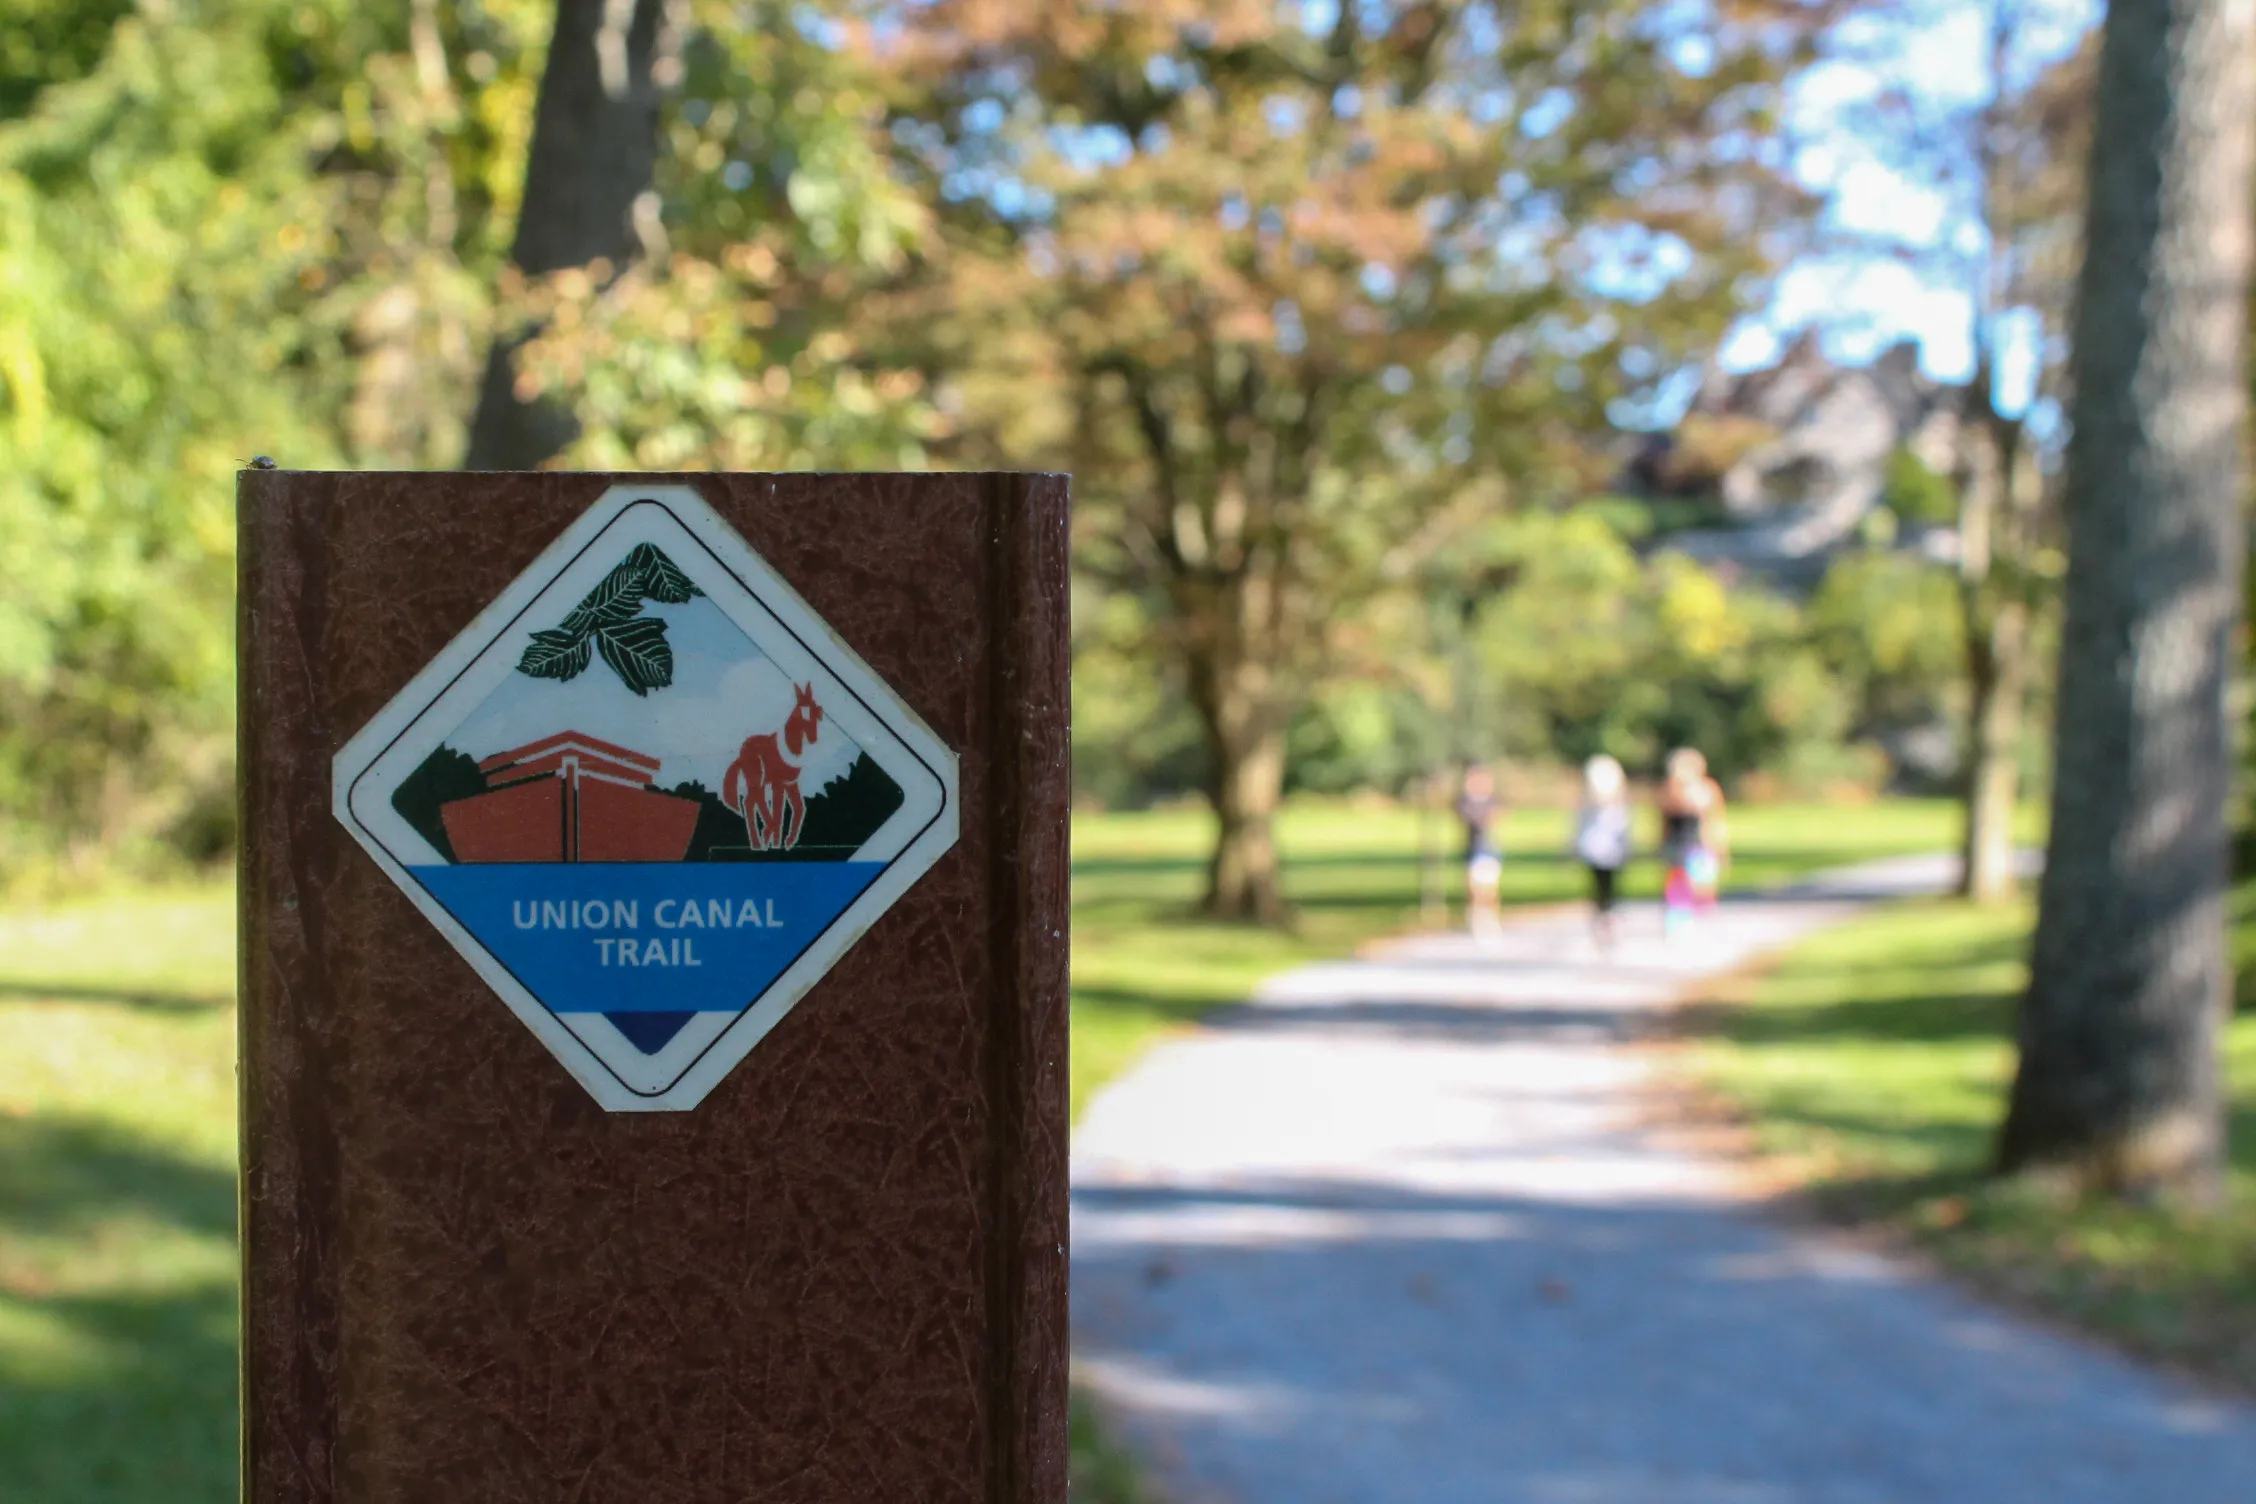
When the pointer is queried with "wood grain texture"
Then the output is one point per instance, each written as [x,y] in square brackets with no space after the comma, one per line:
[840,1278]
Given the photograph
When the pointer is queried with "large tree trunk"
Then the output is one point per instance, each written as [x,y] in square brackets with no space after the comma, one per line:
[2118,1087]
[1245,743]
[594,152]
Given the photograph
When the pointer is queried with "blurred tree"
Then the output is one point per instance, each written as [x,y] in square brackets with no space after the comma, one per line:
[1134,739]
[1596,650]
[2029,141]
[2130,982]
[1887,625]
[46,42]
[587,201]
[283,227]
[754,337]
[1299,291]
[2008,164]
[158,224]
[433,113]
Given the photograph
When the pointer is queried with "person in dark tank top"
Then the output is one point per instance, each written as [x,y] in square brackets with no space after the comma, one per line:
[1693,841]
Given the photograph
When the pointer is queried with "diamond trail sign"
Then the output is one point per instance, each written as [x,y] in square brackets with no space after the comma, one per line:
[650,797]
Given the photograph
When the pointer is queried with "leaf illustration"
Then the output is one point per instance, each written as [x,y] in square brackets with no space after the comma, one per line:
[638,653]
[616,599]
[609,620]
[555,655]
[662,579]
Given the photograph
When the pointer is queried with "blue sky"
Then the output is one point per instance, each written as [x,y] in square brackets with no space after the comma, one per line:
[1864,302]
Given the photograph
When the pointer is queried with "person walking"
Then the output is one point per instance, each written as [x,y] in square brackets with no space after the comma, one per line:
[1479,809]
[1694,843]
[1602,837]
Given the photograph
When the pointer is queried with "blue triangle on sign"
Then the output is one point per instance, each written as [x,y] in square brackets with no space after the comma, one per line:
[649,1032]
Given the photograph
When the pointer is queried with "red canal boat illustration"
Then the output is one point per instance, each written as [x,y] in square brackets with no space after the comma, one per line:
[570,798]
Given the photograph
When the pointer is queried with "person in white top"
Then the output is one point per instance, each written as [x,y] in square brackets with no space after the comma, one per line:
[1602,836]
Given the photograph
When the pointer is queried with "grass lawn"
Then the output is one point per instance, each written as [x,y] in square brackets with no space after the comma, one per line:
[117,1125]
[117,1201]
[1872,1062]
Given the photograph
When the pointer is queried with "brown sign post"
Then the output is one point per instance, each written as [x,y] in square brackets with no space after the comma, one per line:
[626,1119]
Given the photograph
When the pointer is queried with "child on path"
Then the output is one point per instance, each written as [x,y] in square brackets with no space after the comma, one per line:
[1602,836]
[1478,807]
[1693,840]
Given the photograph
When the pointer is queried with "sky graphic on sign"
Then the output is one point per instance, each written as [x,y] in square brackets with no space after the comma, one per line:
[722,688]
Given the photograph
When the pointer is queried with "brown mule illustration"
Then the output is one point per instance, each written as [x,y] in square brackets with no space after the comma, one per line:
[762,784]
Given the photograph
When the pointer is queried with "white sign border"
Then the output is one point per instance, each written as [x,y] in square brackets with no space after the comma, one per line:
[782,626]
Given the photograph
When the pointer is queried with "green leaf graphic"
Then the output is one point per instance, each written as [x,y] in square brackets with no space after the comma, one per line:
[616,599]
[638,653]
[609,620]
[662,579]
[555,655]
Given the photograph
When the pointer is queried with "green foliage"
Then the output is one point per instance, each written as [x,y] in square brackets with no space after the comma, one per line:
[1890,628]
[222,233]
[46,42]
[1574,644]
[1596,650]
[278,227]
[1366,734]
[153,228]
[1915,493]
[758,340]
[1134,736]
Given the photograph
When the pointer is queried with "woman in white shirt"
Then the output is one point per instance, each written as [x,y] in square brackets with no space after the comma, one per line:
[1602,834]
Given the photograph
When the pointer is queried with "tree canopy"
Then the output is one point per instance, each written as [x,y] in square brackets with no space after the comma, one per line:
[280,227]
[1301,292]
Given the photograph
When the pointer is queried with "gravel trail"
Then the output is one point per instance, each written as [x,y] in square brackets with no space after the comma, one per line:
[1394,1231]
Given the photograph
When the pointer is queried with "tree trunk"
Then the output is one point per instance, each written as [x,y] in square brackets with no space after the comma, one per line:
[1993,774]
[593,156]
[1992,512]
[2118,1087]
[1245,744]
[1243,880]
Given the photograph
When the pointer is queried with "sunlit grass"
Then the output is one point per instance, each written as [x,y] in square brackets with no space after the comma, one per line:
[117,1202]
[1874,1061]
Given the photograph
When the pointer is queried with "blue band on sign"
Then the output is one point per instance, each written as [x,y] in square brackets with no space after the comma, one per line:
[627,937]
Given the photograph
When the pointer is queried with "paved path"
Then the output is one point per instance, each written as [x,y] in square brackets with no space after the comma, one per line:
[1391,1232]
